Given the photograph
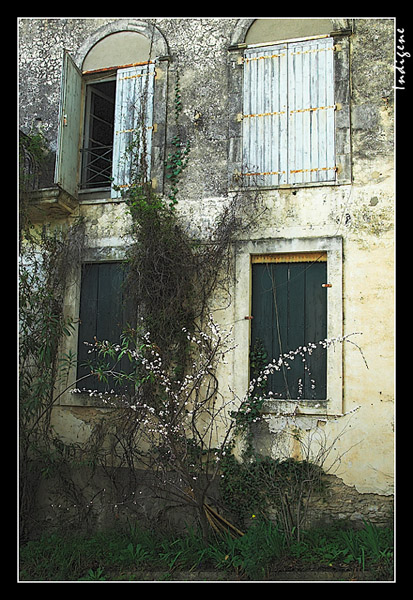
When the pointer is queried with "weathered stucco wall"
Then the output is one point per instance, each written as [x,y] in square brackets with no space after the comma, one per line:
[360,213]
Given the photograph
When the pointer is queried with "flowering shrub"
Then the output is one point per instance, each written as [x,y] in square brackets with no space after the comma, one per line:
[187,426]
[166,403]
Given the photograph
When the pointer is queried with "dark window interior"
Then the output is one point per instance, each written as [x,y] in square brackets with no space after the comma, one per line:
[98,138]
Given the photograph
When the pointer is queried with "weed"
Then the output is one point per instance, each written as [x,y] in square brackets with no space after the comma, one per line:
[253,556]
[137,553]
[94,575]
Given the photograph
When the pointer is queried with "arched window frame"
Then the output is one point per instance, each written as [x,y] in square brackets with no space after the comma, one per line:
[72,104]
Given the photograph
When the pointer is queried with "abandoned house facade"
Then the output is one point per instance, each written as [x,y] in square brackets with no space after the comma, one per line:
[294,115]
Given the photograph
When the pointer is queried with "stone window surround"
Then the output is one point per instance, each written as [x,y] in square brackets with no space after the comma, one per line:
[333,405]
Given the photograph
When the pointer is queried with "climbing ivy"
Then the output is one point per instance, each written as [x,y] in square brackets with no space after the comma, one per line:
[177,160]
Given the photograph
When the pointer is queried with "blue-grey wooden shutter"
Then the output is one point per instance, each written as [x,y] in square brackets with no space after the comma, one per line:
[288,121]
[265,118]
[133,122]
[311,152]
[68,141]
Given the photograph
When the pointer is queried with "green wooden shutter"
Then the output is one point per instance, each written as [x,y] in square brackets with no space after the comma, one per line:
[289,309]
[133,115]
[67,158]
[104,313]
[87,323]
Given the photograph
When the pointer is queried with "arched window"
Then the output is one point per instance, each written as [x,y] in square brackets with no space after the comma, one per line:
[110,104]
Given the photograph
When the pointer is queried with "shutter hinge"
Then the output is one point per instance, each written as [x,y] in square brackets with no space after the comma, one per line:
[237,47]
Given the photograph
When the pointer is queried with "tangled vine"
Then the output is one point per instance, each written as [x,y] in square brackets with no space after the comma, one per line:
[171,275]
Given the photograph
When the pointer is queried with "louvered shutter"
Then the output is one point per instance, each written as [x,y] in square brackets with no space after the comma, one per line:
[288,116]
[265,116]
[311,153]
[133,114]
[67,158]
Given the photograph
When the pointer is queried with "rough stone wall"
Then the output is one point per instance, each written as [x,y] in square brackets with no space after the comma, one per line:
[94,499]
[372,89]
[344,503]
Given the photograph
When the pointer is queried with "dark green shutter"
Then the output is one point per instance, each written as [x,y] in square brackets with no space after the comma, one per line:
[289,309]
[104,314]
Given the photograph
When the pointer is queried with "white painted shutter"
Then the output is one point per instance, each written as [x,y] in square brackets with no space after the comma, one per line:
[311,151]
[288,114]
[133,115]
[264,122]
[68,140]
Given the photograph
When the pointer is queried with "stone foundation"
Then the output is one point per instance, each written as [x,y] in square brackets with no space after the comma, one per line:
[91,501]
[340,502]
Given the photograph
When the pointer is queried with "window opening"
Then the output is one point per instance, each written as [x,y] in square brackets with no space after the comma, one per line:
[289,113]
[97,152]
[116,112]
